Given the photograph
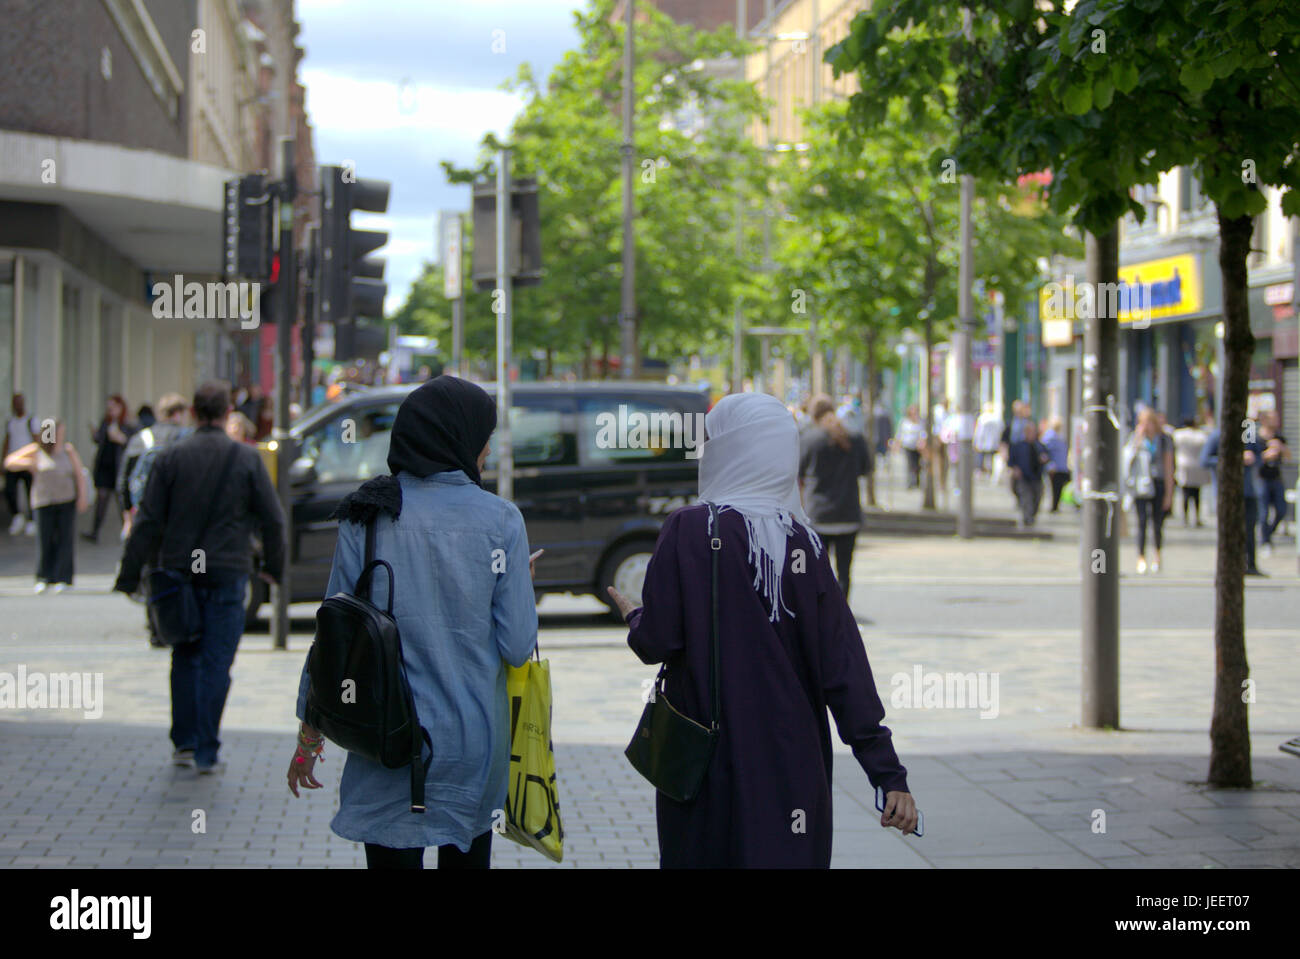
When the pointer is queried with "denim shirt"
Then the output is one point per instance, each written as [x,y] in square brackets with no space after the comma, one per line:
[459,620]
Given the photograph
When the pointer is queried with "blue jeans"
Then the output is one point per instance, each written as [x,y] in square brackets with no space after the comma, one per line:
[201,670]
[1272,500]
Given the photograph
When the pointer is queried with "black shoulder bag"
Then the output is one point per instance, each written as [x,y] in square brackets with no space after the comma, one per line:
[359,696]
[669,748]
[173,610]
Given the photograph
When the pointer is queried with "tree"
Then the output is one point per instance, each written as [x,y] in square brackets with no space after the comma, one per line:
[1108,94]
[691,159]
[877,229]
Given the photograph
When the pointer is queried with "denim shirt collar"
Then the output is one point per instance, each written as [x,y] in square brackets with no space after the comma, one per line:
[448,477]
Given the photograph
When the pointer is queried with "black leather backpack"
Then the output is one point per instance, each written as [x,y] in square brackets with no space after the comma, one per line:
[359,697]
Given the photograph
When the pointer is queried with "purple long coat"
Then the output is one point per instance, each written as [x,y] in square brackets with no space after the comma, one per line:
[766,801]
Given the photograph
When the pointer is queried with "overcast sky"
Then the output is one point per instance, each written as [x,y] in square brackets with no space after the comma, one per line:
[397,86]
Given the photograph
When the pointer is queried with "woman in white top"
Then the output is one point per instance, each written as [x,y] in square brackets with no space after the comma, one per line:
[58,495]
[1189,441]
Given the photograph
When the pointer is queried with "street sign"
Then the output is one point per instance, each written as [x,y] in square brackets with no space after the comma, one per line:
[451,242]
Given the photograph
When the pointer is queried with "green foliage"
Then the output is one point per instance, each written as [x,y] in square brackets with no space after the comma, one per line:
[569,136]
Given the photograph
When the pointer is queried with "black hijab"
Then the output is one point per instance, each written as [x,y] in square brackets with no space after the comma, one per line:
[441,426]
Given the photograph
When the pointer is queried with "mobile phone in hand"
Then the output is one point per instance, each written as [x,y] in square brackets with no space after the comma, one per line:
[920,816]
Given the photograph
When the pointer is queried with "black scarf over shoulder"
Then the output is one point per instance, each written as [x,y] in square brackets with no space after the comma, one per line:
[441,426]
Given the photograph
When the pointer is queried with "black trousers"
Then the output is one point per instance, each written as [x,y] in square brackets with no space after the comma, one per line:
[1059,478]
[56,527]
[913,468]
[843,543]
[1191,494]
[12,480]
[1149,508]
[449,857]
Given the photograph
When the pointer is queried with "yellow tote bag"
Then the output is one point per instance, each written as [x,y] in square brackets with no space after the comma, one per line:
[532,802]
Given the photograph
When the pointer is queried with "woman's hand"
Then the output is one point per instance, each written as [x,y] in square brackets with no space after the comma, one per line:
[900,812]
[300,772]
[622,602]
[303,762]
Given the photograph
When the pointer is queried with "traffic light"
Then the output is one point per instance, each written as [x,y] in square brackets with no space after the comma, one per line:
[525,245]
[247,237]
[350,282]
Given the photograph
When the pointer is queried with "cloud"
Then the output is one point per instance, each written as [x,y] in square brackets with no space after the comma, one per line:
[396,87]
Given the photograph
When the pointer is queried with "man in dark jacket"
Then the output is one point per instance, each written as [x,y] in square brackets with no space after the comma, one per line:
[205,480]
[1027,460]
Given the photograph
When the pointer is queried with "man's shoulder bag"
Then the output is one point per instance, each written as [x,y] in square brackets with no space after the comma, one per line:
[358,696]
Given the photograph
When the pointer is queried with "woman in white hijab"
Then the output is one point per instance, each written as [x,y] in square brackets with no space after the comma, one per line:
[789,649]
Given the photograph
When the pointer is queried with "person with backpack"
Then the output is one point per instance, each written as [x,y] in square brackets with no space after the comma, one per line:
[1149,479]
[205,496]
[143,450]
[463,603]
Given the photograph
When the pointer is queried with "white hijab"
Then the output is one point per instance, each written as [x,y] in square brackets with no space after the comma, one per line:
[750,463]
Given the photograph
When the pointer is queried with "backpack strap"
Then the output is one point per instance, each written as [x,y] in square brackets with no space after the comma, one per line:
[419,767]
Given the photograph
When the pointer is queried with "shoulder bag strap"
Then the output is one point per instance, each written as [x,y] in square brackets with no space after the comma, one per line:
[226,466]
[715,546]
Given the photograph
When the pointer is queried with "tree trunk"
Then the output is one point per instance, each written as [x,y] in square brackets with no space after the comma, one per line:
[1229,725]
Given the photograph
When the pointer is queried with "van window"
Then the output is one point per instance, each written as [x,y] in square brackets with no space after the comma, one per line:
[352,448]
[539,433]
[614,429]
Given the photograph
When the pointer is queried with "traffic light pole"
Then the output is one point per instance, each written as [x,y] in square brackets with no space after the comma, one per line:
[502,303]
[285,314]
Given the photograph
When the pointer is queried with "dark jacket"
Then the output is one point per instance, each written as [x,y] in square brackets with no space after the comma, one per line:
[1210,460]
[176,502]
[1030,457]
[831,475]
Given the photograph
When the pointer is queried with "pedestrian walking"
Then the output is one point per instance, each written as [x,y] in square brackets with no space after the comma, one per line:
[788,649]
[204,498]
[1189,475]
[58,494]
[988,432]
[1272,491]
[1149,480]
[1058,466]
[110,438]
[1027,461]
[142,451]
[464,605]
[831,458]
[1252,449]
[911,440]
[20,431]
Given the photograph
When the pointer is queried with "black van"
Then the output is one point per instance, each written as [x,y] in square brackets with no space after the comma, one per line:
[598,466]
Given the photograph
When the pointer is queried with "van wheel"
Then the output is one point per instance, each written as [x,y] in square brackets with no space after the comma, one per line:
[254,597]
[624,569]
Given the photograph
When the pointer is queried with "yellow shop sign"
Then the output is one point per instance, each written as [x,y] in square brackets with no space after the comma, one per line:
[1146,291]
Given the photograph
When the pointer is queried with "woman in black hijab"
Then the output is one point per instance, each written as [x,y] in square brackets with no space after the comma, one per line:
[463,601]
